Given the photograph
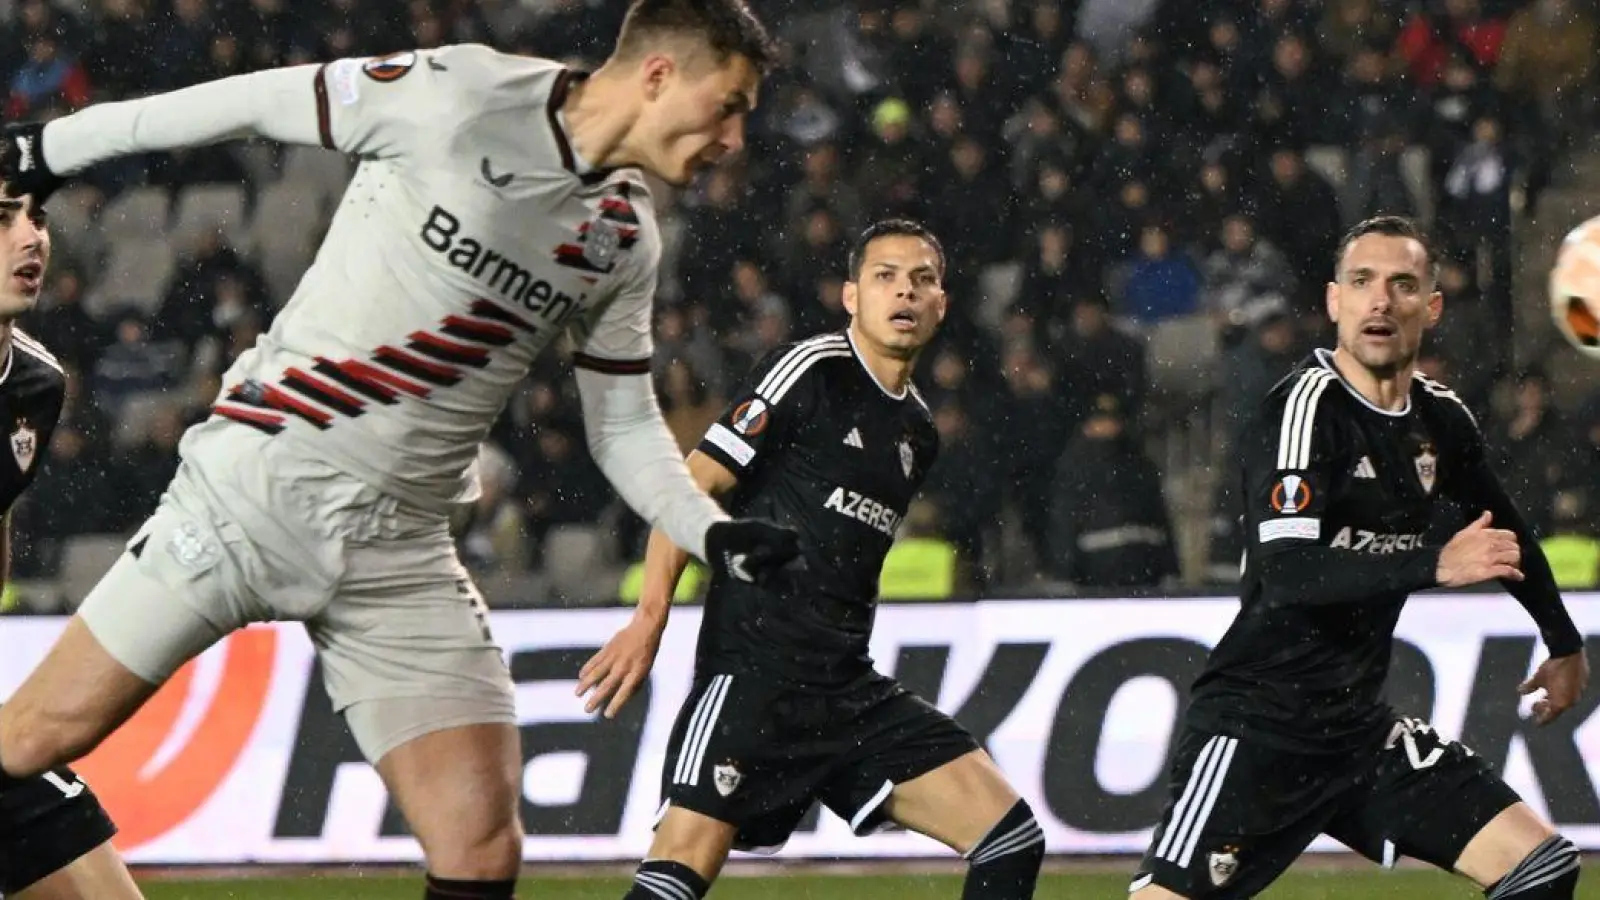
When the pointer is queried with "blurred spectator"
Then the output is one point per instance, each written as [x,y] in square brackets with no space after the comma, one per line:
[1097,358]
[1462,96]
[490,532]
[1532,447]
[61,323]
[1348,25]
[823,186]
[1033,418]
[1057,270]
[1300,210]
[1157,282]
[135,363]
[1475,211]
[1245,280]
[686,403]
[962,485]
[1546,68]
[50,81]
[892,166]
[143,470]
[1109,525]
[1426,40]
[1377,184]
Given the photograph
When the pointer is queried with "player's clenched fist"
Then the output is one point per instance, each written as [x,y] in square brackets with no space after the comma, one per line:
[750,549]
[1480,553]
[22,163]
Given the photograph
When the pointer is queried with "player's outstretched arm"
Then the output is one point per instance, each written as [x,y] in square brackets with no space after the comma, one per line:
[615,673]
[1564,676]
[353,105]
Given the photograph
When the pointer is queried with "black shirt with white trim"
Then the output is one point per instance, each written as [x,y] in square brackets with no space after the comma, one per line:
[819,444]
[1338,496]
[32,389]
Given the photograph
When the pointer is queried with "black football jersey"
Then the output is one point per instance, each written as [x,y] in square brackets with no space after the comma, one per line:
[32,388]
[1339,494]
[818,444]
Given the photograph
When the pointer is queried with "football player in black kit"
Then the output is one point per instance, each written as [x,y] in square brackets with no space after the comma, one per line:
[1286,736]
[829,436]
[55,839]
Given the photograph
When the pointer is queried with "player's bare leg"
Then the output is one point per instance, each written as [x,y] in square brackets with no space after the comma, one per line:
[686,854]
[77,696]
[1518,856]
[460,789]
[967,805]
[96,875]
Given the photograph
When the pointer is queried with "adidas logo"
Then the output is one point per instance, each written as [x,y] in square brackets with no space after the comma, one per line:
[1364,468]
[853,439]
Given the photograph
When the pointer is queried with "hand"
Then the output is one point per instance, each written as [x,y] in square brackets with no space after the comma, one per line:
[621,665]
[750,549]
[1479,553]
[22,163]
[1563,679]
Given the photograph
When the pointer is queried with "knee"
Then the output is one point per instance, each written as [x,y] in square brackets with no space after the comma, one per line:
[492,852]
[1550,872]
[1016,840]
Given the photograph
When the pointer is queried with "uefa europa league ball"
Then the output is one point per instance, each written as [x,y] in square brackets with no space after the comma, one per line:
[1575,288]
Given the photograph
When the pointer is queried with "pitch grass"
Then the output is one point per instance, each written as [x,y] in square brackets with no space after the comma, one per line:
[1331,885]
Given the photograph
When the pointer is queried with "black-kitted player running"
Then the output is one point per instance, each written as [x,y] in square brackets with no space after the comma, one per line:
[1286,736]
[55,839]
[830,437]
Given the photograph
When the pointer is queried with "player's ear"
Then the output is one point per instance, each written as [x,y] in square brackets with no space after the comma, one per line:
[1332,299]
[1435,308]
[655,70]
[849,298]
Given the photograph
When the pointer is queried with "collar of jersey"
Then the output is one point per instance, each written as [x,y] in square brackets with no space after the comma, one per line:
[570,159]
[1324,358]
[865,368]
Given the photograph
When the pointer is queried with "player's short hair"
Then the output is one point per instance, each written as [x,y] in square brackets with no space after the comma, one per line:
[891,228]
[1389,226]
[727,27]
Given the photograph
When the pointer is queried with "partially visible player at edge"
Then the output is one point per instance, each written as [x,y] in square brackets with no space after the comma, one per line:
[829,435]
[1286,735]
[499,204]
[55,838]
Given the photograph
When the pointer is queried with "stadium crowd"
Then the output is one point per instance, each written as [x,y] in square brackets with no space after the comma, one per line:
[1114,180]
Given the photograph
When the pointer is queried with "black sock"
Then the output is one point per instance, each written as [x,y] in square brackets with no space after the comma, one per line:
[665,879]
[452,889]
[1005,864]
[1550,872]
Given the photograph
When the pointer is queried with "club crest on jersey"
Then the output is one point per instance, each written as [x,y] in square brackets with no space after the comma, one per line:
[908,457]
[1290,495]
[1222,865]
[750,417]
[24,445]
[1427,467]
[726,776]
[601,240]
[390,68]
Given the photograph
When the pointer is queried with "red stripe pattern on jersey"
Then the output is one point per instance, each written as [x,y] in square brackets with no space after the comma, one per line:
[345,387]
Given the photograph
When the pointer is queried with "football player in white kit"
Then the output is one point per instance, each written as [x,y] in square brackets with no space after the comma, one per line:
[498,205]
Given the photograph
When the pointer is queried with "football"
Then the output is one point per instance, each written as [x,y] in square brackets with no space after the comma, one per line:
[1575,288]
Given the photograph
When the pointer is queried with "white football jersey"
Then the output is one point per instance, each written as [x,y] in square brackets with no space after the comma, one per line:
[469,238]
